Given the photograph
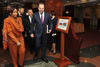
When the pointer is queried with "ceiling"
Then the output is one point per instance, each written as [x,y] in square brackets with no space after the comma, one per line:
[19,1]
[65,2]
[69,0]
[80,2]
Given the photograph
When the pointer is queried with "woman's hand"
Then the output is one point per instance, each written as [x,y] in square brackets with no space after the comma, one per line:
[18,43]
[54,34]
[49,31]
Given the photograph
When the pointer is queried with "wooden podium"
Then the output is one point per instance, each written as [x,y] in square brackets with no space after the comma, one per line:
[62,26]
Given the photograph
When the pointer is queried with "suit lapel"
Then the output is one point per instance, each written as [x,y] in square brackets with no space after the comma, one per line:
[39,18]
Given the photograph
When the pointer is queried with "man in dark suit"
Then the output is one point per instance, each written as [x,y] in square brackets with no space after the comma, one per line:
[22,15]
[27,26]
[40,18]
[21,12]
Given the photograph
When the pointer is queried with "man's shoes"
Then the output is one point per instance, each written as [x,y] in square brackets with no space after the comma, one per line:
[44,59]
[35,58]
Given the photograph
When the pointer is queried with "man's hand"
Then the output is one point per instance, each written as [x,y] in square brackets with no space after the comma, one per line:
[32,35]
[49,31]
[25,35]
[29,31]
[18,43]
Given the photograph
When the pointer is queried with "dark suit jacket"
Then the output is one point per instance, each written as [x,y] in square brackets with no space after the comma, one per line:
[39,27]
[27,24]
[22,17]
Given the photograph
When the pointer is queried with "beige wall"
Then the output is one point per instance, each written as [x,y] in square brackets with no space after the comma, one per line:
[98,12]
[34,5]
[87,12]
[76,12]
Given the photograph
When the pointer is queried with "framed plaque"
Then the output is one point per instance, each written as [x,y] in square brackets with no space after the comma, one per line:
[63,24]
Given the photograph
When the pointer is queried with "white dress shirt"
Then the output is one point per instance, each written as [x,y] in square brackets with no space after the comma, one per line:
[19,13]
[42,15]
[30,19]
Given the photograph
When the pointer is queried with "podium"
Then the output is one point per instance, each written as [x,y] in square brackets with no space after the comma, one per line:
[62,26]
[72,45]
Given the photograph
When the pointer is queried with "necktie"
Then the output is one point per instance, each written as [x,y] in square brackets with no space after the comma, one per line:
[41,17]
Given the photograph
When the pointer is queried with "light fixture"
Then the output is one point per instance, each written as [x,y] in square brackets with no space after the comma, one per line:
[85,61]
[67,12]
[83,1]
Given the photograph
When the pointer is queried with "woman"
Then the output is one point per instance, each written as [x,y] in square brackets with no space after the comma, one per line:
[53,33]
[13,38]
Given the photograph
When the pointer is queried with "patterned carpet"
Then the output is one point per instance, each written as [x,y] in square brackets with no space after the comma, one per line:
[52,64]
[90,52]
[40,63]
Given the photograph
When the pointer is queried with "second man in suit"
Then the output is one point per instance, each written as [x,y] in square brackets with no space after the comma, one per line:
[27,26]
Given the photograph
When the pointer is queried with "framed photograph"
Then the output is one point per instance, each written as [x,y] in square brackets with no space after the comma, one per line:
[63,24]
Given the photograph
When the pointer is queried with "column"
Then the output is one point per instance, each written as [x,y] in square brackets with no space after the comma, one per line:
[54,5]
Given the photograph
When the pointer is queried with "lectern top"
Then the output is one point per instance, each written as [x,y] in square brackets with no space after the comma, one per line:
[63,24]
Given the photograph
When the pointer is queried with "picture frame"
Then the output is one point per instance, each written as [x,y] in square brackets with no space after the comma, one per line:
[63,24]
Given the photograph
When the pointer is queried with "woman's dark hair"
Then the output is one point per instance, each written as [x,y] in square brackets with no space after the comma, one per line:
[53,13]
[12,9]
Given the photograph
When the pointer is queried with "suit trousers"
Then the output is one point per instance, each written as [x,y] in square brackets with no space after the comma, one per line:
[30,42]
[41,41]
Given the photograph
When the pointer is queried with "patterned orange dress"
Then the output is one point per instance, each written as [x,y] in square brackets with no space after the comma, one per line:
[12,33]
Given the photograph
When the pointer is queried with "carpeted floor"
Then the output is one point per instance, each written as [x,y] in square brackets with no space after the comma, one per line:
[90,38]
[40,63]
[89,52]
